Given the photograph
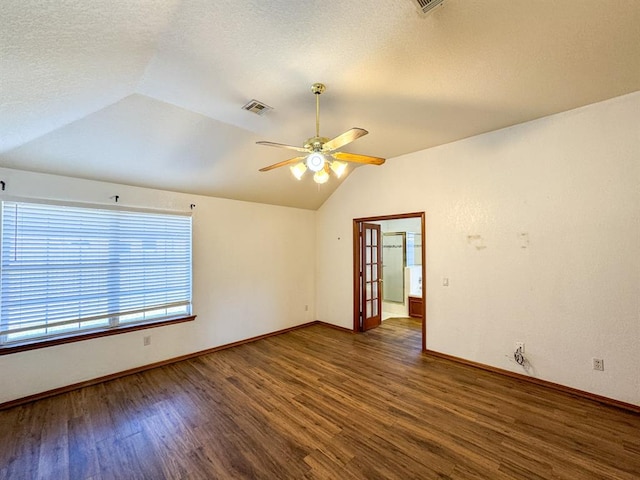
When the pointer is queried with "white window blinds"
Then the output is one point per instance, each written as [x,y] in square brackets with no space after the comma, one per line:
[69,269]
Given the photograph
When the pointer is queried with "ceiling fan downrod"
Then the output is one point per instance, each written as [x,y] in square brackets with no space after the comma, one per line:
[318,89]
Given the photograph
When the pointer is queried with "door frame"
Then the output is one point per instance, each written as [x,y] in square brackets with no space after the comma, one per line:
[356,267]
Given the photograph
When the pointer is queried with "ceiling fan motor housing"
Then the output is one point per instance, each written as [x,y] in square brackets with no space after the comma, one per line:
[315,144]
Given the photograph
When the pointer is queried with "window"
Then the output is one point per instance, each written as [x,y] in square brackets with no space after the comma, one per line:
[68,270]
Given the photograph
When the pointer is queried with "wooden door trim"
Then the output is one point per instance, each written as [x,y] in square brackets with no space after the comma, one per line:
[356,275]
[356,265]
[374,245]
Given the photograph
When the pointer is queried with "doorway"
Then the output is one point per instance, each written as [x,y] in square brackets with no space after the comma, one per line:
[368,286]
[394,248]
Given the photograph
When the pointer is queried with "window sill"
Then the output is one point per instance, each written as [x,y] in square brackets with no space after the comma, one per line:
[50,342]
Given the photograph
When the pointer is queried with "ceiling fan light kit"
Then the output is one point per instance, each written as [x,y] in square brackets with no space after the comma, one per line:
[321,177]
[315,161]
[298,170]
[338,167]
[321,155]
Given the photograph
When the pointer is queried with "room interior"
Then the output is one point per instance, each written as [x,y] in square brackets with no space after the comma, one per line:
[513,125]
[401,269]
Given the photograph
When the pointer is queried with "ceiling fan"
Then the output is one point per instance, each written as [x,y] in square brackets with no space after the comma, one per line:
[320,153]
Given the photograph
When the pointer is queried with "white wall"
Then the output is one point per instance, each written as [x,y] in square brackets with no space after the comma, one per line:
[253,273]
[569,288]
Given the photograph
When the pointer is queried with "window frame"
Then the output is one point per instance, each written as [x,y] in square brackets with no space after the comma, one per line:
[48,341]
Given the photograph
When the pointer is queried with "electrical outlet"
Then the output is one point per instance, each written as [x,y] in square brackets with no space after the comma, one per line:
[146,341]
[598,364]
[445,281]
[306,308]
[520,345]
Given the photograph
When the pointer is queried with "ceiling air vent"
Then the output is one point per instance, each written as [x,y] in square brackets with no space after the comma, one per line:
[259,108]
[426,6]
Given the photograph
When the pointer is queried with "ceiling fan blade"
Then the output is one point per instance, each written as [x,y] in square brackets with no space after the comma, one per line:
[282,145]
[291,161]
[353,157]
[343,139]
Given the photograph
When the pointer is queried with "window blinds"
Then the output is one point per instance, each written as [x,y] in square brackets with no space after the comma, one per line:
[67,269]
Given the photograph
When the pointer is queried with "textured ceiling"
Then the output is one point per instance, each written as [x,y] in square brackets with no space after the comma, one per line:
[149,92]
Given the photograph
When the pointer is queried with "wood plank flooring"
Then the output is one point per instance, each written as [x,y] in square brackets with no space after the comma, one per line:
[318,403]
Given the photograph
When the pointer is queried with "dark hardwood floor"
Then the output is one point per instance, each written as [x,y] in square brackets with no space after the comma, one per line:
[319,403]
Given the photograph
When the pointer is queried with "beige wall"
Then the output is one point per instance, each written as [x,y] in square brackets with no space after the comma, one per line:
[253,273]
[569,287]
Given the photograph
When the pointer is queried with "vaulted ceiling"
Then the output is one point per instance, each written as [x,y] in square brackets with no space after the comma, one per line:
[149,92]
